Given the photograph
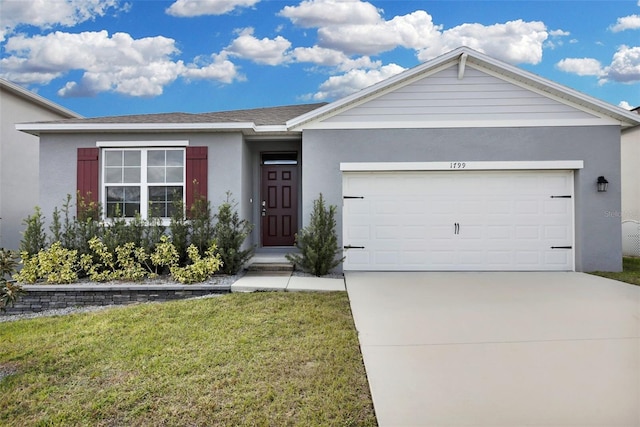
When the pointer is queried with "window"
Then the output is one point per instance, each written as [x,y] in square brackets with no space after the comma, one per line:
[147,181]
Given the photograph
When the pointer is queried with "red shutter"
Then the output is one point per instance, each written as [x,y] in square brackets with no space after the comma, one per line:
[196,175]
[88,172]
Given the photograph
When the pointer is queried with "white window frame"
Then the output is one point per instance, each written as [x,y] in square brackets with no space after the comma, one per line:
[143,184]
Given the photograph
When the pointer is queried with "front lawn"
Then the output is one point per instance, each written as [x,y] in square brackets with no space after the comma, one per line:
[630,271]
[261,359]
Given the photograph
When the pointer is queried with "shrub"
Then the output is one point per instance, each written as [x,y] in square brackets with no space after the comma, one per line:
[318,242]
[8,263]
[179,229]
[230,232]
[200,269]
[165,254]
[202,225]
[54,265]
[34,238]
[128,263]
[9,292]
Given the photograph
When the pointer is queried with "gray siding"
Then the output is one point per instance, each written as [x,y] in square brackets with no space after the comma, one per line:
[598,237]
[442,97]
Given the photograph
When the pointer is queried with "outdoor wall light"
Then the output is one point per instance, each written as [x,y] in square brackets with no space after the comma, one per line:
[602,184]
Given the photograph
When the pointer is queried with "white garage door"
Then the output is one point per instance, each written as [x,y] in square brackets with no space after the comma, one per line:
[462,220]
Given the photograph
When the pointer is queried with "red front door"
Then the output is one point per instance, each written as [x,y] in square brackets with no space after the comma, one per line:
[279,205]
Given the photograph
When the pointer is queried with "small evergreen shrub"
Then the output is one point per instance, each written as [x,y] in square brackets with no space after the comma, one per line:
[318,242]
[201,225]
[34,238]
[179,229]
[230,232]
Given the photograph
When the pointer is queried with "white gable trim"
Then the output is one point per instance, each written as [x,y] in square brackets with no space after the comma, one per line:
[37,99]
[461,165]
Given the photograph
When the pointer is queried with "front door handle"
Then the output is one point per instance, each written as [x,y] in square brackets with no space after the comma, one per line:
[264,208]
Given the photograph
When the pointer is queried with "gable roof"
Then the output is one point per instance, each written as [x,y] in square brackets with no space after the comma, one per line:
[467,57]
[36,99]
[251,120]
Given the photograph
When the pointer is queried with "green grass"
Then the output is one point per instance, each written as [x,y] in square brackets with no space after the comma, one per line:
[630,271]
[261,359]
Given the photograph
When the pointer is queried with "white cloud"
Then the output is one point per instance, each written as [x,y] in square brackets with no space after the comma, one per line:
[514,42]
[631,22]
[190,8]
[322,13]
[559,33]
[625,105]
[49,13]
[262,51]
[353,81]
[624,67]
[218,68]
[117,63]
[580,66]
[369,34]
[332,58]
[415,30]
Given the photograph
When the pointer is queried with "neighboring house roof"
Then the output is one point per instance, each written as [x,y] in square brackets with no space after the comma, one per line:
[467,57]
[37,99]
[252,120]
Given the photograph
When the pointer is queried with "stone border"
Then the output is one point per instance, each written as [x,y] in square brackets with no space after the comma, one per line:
[51,297]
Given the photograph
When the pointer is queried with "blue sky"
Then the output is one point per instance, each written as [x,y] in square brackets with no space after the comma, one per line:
[114,57]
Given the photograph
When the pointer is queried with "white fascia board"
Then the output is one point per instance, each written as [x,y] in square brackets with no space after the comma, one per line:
[125,144]
[63,127]
[271,128]
[453,124]
[137,127]
[461,165]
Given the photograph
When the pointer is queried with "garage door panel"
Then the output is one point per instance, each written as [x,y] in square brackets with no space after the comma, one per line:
[471,220]
[499,232]
[558,257]
[556,233]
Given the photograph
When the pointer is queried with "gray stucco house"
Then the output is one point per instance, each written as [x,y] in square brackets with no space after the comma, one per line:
[461,163]
[19,157]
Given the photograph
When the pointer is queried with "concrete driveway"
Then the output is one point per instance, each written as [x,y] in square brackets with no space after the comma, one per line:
[499,349]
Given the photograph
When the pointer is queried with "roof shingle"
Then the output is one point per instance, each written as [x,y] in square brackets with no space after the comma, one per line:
[258,116]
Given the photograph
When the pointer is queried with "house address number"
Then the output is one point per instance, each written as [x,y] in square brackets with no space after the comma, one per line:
[457,165]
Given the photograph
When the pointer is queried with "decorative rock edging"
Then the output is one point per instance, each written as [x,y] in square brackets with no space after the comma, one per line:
[50,297]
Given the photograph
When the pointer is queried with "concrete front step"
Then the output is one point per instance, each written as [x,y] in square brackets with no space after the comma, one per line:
[270,267]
